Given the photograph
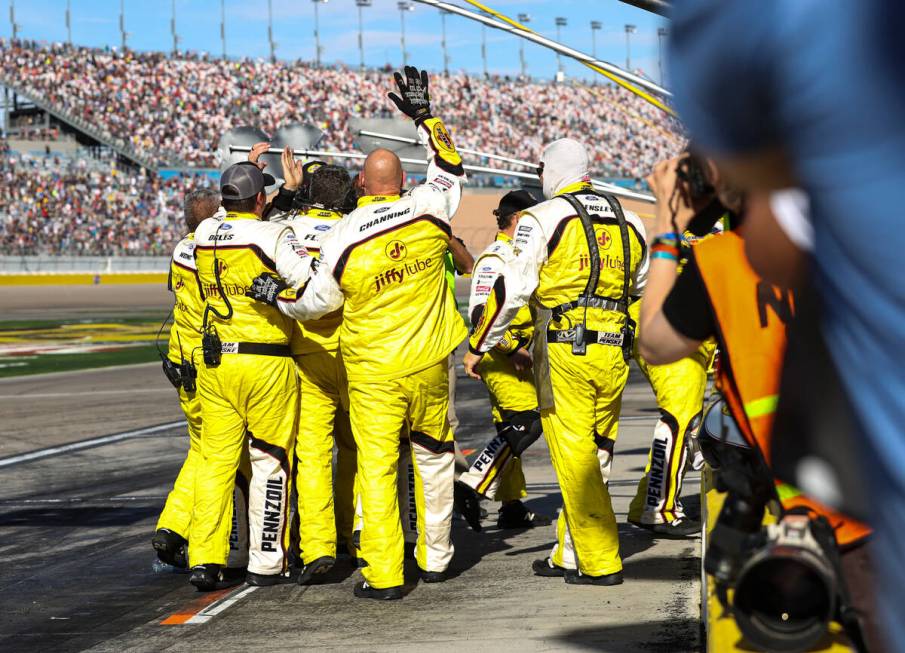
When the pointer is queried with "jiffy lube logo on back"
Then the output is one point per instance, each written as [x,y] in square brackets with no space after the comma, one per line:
[401,273]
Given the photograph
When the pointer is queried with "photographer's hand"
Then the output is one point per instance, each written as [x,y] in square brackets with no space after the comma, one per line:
[674,206]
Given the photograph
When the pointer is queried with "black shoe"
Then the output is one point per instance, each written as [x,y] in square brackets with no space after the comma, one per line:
[365,591]
[170,547]
[517,515]
[432,576]
[210,577]
[468,504]
[314,571]
[674,530]
[575,577]
[547,569]
[269,580]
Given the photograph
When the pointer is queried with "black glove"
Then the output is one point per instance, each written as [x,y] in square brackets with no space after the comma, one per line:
[415,101]
[266,288]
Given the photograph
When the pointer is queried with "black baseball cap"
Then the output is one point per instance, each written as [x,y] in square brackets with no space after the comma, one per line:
[513,202]
[243,180]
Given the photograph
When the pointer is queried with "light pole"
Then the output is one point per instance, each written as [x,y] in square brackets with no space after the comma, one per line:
[560,23]
[69,22]
[361,4]
[223,26]
[317,34]
[122,24]
[596,26]
[524,19]
[443,14]
[173,29]
[484,48]
[12,19]
[661,33]
[629,30]
[270,41]
[404,6]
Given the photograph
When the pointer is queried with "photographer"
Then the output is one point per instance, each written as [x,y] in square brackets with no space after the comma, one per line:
[718,294]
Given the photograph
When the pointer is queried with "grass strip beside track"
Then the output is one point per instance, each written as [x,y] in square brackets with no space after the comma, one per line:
[22,366]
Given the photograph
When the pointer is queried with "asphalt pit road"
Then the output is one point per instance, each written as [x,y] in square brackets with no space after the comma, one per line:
[97,517]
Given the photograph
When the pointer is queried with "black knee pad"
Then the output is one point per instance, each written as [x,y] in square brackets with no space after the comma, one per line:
[524,429]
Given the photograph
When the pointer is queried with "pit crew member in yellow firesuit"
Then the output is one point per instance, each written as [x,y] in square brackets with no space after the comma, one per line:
[579,258]
[384,265]
[496,472]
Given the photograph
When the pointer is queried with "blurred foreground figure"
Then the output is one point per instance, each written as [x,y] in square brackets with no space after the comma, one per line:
[753,87]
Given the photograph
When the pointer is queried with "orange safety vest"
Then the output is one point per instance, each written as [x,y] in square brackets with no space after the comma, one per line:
[751,318]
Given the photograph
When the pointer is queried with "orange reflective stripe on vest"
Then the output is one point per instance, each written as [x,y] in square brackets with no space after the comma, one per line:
[751,317]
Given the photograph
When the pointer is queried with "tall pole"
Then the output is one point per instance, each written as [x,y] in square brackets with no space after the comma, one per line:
[443,14]
[629,30]
[69,22]
[404,6]
[317,33]
[273,48]
[560,23]
[122,24]
[484,48]
[661,33]
[524,19]
[361,4]
[12,19]
[223,26]
[596,26]
[173,29]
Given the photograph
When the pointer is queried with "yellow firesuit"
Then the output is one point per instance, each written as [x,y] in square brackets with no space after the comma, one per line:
[495,473]
[580,395]
[249,399]
[326,497]
[383,264]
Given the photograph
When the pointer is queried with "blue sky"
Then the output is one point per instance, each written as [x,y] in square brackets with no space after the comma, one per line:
[96,23]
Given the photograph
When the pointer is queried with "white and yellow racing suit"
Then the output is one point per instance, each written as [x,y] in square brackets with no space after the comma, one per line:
[185,346]
[579,395]
[496,473]
[326,496]
[385,261]
[249,399]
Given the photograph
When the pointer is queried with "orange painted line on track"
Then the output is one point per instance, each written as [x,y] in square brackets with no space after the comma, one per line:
[468,452]
[196,606]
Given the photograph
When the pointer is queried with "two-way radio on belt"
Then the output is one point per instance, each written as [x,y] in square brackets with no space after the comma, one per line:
[211,345]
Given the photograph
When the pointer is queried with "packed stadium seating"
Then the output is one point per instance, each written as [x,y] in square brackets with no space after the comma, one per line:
[52,205]
[173,111]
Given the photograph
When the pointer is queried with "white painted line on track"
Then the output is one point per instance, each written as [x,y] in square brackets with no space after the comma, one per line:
[87,444]
[58,395]
[88,370]
[217,607]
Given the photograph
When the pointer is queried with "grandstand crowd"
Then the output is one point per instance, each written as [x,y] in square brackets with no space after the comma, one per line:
[172,111]
[70,206]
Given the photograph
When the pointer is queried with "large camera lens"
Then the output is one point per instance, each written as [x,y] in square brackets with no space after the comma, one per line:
[784,599]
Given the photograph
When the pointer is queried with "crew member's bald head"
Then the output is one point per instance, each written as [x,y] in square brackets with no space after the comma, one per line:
[382,173]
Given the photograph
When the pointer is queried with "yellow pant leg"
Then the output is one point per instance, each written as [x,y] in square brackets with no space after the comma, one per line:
[319,410]
[378,411]
[495,473]
[245,399]
[345,487]
[433,462]
[177,512]
[679,388]
[222,442]
[587,392]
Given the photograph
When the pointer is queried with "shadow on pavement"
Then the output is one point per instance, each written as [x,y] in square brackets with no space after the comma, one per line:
[666,636]
[98,517]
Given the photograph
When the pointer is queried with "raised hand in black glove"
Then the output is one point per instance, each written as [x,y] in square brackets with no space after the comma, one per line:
[415,101]
[266,288]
